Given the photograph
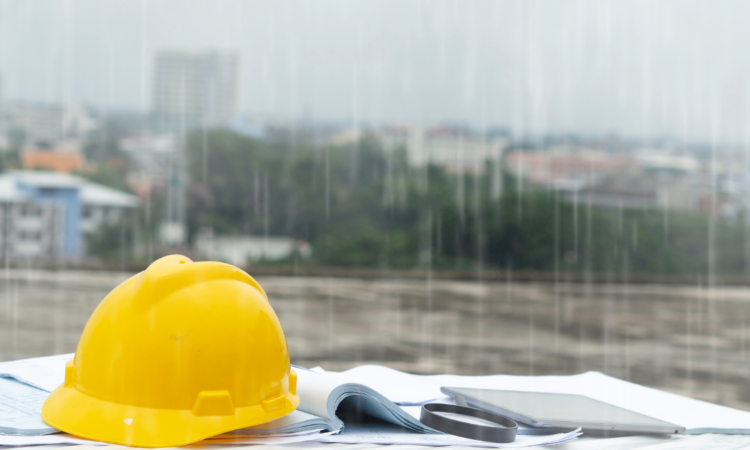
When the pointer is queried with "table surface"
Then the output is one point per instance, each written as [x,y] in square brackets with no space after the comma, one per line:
[683,442]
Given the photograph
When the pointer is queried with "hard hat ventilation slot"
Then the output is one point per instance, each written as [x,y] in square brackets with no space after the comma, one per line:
[213,403]
[272,404]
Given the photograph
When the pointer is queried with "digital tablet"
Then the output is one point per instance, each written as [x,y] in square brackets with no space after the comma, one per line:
[543,410]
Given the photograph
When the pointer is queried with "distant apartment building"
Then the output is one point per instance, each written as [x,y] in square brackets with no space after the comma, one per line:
[627,191]
[153,158]
[639,180]
[150,152]
[567,170]
[456,149]
[50,123]
[159,165]
[663,161]
[56,161]
[3,119]
[598,178]
[40,123]
[696,192]
[242,250]
[195,88]
[45,215]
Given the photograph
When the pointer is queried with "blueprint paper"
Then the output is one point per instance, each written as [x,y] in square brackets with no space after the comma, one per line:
[320,392]
[388,434]
[316,391]
[21,409]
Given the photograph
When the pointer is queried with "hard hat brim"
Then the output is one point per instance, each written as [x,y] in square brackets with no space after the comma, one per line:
[74,412]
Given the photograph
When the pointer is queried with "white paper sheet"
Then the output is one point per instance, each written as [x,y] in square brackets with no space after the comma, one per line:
[703,442]
[296,421]
[236,436]
[314,392]
[61,438]
[618,443]
[387,434]
[673,442]
[268,440]
[22,441]
[412,392]
[46,373]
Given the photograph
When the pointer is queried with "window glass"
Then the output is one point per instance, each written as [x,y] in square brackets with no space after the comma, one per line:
[468,187]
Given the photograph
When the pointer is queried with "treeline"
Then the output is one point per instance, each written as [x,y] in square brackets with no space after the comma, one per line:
[359,205]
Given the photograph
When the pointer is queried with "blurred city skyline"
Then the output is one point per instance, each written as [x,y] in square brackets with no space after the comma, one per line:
[636,69]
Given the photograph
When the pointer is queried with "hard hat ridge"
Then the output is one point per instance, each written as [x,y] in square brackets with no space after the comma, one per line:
[175,272]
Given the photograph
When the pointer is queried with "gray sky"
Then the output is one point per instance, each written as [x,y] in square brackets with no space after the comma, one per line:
[635,68]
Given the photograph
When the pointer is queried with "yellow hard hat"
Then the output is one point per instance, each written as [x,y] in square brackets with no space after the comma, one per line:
[178,353]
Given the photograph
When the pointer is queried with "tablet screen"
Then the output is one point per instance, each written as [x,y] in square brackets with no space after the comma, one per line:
[551,408]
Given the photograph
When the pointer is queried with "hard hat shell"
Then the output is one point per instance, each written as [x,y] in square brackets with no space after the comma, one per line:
[178,353]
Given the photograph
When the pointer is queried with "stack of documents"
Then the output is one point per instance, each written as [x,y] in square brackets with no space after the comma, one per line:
[696,416]
[392,396]
[321,393]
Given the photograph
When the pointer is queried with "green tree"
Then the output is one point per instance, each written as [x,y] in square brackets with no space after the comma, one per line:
[111,241]
[360,205]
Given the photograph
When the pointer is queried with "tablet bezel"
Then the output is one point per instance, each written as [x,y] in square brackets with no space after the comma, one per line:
[587,426]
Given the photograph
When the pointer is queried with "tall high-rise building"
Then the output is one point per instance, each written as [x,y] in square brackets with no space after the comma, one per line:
[195,88]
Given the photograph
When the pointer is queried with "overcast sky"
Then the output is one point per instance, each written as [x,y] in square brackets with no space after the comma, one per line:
[635,68]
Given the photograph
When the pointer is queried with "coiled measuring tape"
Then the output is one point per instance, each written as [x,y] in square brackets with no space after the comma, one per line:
[504,433]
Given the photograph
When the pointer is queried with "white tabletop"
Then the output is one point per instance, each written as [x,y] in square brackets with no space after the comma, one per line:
[676,442]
